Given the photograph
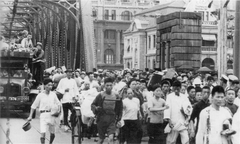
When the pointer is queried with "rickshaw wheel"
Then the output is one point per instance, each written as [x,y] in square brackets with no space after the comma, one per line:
[76,128]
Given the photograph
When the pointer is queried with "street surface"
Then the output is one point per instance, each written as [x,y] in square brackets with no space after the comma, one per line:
[19,136]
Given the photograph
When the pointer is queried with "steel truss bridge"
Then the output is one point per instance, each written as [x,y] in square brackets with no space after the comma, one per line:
[59,25]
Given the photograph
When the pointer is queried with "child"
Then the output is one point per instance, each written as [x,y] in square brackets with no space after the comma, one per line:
[198,94]
[156,106]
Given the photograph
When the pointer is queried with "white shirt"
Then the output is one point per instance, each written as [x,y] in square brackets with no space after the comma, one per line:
[175,104]
[45,102]
[118,86]
[217,118]
[130,108]
[71,85]
[26,43]
[156,116]
[236,127]
[237,101]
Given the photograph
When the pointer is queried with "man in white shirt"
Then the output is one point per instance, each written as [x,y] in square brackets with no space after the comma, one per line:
[44,101]
[68,87]
[27,42]
[212,119]
[177,115]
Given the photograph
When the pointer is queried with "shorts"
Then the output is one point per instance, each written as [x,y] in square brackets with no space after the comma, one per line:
[47,122]
[106,125]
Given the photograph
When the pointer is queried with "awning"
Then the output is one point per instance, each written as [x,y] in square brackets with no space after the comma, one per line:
[209,37]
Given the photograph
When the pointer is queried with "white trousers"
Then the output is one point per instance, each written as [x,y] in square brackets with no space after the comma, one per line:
[172,137]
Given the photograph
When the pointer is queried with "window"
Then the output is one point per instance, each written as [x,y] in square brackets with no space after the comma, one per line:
[113,14]
[154,63]
[109,56]
[154,41]
[106,14]
[94,13]
[128,49]
[202,12]
[207,16]
[126,15]
[109,34]
[208,43]
[149,42]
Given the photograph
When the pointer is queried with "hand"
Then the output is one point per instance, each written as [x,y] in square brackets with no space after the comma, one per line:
[67,90]
[29,118]
[119,124]
[98,108]
[140,117]
[166,107]
[170,124]
[192,134]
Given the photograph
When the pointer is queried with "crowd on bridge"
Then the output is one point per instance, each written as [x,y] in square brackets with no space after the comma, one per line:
[164,105]
[127,105]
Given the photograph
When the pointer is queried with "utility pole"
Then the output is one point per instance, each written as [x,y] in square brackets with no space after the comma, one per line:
[222,39]
[236,50]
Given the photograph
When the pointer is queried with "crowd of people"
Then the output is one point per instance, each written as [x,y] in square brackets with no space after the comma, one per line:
[127,105]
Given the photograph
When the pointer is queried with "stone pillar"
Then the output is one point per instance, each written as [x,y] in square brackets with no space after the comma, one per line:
[236,51]
[101,44]
[222,41]
[118,47]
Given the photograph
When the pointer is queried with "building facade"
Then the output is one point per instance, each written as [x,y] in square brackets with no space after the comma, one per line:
[111,18]
[209,33]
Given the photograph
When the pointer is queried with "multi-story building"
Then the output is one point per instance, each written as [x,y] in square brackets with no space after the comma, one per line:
[140,38]
[111,18]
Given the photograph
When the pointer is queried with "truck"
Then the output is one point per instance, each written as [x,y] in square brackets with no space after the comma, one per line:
[16,89]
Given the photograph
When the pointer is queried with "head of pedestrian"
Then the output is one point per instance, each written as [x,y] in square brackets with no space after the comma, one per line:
[39,45]
[91,76]
[157,91]
[138,84]
[143,84]
[48,84]
[29,36]
[210,80]
[177,87]
[69,73]
[238,93]
[108,85]
[230,95]
[198,96]
[191,91]
[86,85]
[165,85]
[223,81]
[130,93]
[218,96]
[183,88]
[205,93]
[132,84]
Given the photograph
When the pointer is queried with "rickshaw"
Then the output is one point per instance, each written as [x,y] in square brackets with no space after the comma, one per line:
[76,124]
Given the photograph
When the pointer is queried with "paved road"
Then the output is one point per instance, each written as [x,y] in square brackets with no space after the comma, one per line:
[19,136]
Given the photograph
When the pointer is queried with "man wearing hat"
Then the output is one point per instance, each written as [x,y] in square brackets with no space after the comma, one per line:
[68,87]
[38,63]
[44,101]
[233,81]
[223,81]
